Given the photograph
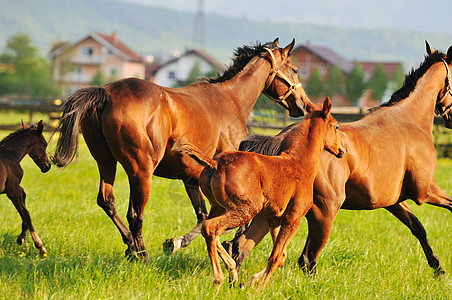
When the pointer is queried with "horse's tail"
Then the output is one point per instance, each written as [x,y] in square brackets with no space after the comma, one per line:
[84,103]
[197,155]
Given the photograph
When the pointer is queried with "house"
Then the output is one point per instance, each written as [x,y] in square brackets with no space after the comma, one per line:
[76,63]
[175,71]
[309,57]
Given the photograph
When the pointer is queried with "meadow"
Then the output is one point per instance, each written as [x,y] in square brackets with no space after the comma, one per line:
[370,254]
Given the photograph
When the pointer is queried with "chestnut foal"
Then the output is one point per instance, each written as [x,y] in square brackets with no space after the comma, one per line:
[240,185]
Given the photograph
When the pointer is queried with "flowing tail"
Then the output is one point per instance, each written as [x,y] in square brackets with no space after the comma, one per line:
[196,154]
[84,103]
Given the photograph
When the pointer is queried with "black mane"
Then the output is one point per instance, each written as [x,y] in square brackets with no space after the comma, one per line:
[264,144]
[13,135]
[411,79]
[242,56]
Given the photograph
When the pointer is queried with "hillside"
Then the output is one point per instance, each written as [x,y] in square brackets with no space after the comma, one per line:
[152,30]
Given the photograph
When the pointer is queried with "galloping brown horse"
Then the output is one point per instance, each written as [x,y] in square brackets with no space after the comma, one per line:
[13,148]
[136,123]
[390,158]
[240,185]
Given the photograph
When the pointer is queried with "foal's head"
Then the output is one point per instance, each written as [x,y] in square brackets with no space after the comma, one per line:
[334,141]
[38,149]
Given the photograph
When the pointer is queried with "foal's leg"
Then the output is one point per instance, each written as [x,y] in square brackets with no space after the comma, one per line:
[217,222]
[197,200]
[17,196]
[289,226]
[242,244]
[403,212]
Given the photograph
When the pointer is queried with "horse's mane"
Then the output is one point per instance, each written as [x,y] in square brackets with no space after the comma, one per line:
[12,135]
[411,79]
[263,144]
[242,56]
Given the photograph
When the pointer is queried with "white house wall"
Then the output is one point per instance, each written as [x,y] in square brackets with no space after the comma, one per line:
[181,69]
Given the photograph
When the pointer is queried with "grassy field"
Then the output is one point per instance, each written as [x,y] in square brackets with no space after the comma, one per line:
[370,254]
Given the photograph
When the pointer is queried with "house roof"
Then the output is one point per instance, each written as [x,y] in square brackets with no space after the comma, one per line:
[111,42]
[329,56]
[202,55]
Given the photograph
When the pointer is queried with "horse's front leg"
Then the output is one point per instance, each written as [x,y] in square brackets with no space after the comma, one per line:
[403,212]
[197,200]
[17,196]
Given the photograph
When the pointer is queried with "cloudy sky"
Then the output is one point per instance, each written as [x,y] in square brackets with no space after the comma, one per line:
[412,15]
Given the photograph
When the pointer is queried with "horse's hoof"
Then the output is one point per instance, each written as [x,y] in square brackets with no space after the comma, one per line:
[20,240]
[439,272]
[43,252]
[171,245]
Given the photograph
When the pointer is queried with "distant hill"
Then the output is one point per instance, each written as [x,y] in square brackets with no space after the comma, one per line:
[151,30]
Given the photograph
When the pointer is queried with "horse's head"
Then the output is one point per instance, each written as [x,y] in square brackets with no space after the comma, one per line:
[283,85]
[334,140]
[443,105]
[38,149]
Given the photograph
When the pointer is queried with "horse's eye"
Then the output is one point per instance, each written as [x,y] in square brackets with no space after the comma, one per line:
[336,127]
[295,70]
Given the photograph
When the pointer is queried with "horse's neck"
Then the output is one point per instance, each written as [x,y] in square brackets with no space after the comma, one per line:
[16,149]
[306,145]
[419,106]
[248,84]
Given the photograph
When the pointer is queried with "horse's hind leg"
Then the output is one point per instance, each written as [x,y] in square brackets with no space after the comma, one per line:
[197,200]
[106,200]
[17,196]
[403,212]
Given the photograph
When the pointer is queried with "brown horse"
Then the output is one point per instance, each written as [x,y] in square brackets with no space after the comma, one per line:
[13,148]
[136,123]
[390,158]
[240,185]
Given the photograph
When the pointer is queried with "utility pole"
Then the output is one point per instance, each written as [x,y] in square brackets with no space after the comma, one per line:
[199,32]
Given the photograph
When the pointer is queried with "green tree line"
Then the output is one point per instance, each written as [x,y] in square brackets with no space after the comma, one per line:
[354,84]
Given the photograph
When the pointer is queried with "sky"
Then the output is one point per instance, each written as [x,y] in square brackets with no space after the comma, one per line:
[411,15]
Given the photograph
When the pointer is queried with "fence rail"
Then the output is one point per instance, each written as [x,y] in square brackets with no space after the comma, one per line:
[443,138]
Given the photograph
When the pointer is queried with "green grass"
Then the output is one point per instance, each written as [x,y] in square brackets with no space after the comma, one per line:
[370,254]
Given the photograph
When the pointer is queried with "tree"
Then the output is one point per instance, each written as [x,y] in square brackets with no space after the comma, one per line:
[28,73]
[378,82]
[398,77]
[194,74]
[314,85]
[334,81]
[355,85]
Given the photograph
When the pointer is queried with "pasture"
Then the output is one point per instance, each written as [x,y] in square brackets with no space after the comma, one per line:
[370,254]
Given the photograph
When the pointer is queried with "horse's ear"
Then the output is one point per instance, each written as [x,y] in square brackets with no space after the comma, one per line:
[24,125]
[288,49]
[327,106]
[449,55]
[428,48]
[276,42]
[40,126]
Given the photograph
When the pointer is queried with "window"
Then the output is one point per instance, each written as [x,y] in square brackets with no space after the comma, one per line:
[304,73]
[87,51]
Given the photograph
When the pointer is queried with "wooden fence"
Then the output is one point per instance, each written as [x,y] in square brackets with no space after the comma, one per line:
[442,136]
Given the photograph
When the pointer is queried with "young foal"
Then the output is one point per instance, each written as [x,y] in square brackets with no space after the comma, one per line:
[28,140]
[240,185]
